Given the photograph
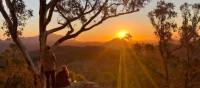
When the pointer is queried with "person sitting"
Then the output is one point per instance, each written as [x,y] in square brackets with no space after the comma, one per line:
[62,78]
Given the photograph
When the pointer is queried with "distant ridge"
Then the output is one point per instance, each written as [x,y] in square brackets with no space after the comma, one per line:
[32,43]
[115,43]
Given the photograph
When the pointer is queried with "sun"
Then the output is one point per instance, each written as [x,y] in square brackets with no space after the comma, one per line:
[122,34]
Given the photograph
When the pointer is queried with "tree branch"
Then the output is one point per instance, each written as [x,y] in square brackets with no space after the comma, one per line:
[51,7]
[72,29]
[82,29]
[84,26]
[69,20]
[13,30]
[5,15]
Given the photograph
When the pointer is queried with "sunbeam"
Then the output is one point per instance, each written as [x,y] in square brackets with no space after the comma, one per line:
[131,52]
[126,52]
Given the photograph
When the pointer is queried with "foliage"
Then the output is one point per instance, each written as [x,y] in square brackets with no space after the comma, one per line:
[178,58]
[190,25]
[15,74]
[162,19]
[189,38]
[22,15]
[19,80]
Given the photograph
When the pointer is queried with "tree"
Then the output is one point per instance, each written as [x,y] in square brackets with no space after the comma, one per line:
[189,37]
[15,15]
[128,36]
[85,13]
[162,19]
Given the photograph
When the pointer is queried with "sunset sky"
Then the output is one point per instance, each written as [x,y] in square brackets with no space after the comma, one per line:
[138,24]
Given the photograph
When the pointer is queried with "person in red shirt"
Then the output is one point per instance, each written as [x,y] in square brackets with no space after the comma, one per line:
[62,78]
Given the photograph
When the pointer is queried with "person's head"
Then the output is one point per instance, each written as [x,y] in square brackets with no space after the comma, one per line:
[65,68]
[47,47]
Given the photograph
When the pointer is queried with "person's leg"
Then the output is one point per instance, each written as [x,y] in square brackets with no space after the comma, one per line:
[53,80]
[47,75]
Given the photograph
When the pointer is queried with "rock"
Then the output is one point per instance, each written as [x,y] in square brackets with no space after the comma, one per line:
[84,84]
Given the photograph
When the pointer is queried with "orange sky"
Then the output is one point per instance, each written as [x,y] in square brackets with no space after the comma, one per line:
[137,24]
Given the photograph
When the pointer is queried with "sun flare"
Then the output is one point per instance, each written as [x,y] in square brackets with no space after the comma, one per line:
[121,34]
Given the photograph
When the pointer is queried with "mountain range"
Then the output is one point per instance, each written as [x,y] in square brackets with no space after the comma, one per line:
[32,43]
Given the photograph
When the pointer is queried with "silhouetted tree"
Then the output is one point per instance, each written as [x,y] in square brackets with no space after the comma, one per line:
[81,15]
[15,15]
[128,36]
[162,19]
[189,37]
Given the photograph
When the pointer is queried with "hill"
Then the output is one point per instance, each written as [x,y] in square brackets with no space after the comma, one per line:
[32,43]
[3,45]
[115,43]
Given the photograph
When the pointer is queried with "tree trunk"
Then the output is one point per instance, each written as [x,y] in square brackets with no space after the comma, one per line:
[38,79]
[167,72]
[26,55]
[187,74]
[165,56]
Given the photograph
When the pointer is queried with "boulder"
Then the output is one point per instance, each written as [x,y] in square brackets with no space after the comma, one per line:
[84,84]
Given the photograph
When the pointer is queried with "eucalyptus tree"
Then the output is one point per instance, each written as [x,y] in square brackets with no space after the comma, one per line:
[162,19]
[15,15]
[189,39]
[78,16]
